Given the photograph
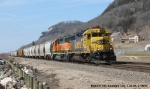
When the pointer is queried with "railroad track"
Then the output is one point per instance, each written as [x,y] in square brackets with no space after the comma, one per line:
[131,66]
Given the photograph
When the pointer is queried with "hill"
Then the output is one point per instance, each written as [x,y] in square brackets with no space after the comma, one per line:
[59,30]
[125,16]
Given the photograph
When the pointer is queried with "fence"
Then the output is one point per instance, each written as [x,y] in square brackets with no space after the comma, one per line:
[30,82]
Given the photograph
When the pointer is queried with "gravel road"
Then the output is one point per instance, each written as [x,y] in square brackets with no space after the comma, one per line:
[61,75]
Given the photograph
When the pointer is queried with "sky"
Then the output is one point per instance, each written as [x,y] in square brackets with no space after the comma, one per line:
[22,21]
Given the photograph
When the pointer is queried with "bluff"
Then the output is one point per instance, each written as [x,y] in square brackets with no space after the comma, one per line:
[125,16]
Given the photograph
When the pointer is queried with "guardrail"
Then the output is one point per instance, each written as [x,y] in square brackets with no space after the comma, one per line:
[31,82]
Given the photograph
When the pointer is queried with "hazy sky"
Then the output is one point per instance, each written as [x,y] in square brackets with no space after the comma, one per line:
[22,21]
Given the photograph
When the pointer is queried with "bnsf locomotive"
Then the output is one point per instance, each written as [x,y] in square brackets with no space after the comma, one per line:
[92,45]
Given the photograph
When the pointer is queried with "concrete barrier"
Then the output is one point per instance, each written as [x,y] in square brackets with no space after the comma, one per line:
[30,82]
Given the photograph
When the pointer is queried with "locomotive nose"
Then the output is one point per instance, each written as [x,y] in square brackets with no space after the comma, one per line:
[104,56]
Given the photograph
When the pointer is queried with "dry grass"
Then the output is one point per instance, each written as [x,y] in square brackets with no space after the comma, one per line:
[129,45]
[143,53]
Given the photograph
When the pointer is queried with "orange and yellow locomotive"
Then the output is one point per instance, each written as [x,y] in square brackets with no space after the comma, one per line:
[92,45]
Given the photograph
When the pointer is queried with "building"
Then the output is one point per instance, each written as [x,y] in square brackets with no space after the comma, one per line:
[115,37]
[133,39]
[130,39]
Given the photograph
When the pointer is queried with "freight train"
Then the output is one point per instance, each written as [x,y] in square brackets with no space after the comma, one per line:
[91,45]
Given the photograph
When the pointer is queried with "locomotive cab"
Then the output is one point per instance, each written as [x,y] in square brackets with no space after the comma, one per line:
[96,42]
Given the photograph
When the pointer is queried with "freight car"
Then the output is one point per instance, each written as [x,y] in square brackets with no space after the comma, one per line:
[48,50]
[13,53]
[91,45]
[20,53]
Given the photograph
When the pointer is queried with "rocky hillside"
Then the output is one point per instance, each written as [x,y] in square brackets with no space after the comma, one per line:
[125,16]
[59,30]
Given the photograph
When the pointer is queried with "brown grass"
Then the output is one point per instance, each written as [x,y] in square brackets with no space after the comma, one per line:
[143,53]
[129,45]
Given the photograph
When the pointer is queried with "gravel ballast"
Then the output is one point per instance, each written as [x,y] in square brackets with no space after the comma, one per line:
[78,76]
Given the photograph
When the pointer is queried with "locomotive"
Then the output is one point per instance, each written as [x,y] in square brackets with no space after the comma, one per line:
[91,45]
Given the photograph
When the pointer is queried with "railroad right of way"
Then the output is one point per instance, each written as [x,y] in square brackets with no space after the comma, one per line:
[62,75]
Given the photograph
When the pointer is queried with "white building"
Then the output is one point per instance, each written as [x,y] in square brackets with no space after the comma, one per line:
[130,39]
[133,39]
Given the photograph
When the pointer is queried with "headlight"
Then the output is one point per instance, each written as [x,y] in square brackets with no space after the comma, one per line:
[111,48]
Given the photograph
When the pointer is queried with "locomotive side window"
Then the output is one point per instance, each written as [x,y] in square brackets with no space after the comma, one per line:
[66,39]
[61,39]
[84,37]
[101,34]
[107,34]
[72,37]
[69,38]
[95,34]
[89,36]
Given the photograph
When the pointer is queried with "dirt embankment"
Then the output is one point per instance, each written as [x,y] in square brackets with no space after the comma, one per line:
[62,75]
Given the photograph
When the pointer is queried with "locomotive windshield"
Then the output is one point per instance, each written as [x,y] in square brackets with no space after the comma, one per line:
[102,41]
[98,34]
